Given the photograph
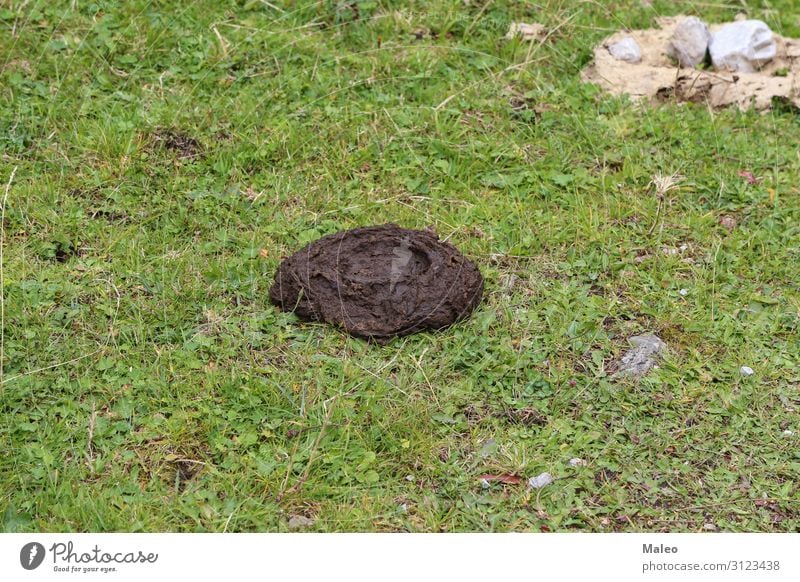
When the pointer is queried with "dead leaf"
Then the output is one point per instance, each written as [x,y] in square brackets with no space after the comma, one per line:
[505,478]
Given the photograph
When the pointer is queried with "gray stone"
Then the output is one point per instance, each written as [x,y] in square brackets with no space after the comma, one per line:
[743,46]
[641,358]
[540,481]
[689,42]
[626,50]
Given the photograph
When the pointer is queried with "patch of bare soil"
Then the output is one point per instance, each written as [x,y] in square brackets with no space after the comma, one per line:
[658,78]
[182,144]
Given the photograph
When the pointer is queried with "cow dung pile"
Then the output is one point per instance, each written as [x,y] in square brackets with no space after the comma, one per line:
[379,282]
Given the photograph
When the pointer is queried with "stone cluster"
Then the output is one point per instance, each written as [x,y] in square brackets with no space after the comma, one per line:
[744,46]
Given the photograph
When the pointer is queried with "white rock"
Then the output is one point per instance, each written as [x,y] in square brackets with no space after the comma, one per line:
[626,50]
[527,31]
[746,371]
[788,432]
[642,357]
[540,481]
[576,462]
[689,42]
[743,46]
[683,292]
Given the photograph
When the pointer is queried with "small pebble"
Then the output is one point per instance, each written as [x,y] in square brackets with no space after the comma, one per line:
[485,484]
[746,371]
[675,250]
[626,50]
[540,481]
[576,462]
[683,292]
[788,432]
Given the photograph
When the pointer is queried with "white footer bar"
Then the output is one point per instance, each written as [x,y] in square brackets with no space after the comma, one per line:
[409,557]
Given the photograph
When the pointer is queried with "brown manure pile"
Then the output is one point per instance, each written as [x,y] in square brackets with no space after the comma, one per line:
[379,282]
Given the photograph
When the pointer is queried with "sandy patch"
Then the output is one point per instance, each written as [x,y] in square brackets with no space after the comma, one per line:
[659,79]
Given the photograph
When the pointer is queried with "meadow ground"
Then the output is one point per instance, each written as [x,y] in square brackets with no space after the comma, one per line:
[168,155]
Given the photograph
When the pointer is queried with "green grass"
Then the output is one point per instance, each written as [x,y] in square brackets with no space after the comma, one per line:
[168,156]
